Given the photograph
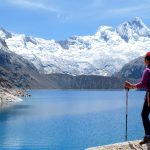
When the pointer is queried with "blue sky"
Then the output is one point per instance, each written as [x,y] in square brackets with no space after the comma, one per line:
[60,19]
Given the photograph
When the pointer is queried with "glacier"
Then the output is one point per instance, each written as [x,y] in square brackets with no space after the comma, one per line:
[103,53]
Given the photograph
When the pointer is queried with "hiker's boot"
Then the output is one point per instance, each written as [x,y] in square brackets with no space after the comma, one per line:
[145,140]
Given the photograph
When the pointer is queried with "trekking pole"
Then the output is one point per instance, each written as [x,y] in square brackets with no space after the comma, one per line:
[126,136]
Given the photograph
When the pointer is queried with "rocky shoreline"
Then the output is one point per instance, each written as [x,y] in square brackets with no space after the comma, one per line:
[11,95]
[130,145]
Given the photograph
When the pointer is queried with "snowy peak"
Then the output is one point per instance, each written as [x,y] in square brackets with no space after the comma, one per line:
[105,32]
[30,39]
[4,34]
[133,30]
[103,29]
[76,41]
[138,24]
[127,31]
[139,27]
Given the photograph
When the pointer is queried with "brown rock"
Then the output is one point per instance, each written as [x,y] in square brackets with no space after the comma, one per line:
[131,145]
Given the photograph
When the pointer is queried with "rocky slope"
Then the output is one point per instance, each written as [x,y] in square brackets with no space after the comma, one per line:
[103,53]
[131,145]
[9,93]
[65,81]
[19,72]
[133,69]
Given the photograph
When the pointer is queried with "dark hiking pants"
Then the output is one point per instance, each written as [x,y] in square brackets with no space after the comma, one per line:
[145,116]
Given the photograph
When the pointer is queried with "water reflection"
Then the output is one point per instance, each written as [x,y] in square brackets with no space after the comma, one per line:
[3,105]
[12,111]
[62,105]
[66,120]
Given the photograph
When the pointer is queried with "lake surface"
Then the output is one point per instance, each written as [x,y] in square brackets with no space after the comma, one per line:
[70,120]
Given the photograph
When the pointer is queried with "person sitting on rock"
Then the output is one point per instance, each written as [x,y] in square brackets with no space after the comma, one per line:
[144,83]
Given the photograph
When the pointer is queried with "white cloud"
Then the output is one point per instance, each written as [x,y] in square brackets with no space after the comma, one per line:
[35,4]
[129,10]
[91,10]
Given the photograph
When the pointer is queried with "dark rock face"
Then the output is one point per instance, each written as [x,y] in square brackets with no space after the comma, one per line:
[5,84]
[86,82]
[133,69]
[6,33]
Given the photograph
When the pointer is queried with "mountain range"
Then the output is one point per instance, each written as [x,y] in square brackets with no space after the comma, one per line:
[103,53]
[15,71]
[100,61]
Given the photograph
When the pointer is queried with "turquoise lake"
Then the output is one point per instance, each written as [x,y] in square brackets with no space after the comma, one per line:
[70,119]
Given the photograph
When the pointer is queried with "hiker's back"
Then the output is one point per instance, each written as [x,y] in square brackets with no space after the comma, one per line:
[148,78]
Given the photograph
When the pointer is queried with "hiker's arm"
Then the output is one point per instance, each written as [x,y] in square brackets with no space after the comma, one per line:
[143,82]
[128,85]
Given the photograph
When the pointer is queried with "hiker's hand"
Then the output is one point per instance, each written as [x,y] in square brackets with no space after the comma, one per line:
[128,85]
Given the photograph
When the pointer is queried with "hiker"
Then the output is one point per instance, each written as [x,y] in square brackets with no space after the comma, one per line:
[144,83]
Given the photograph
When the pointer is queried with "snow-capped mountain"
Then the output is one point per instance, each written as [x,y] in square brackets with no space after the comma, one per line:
[103,53]
[133,30]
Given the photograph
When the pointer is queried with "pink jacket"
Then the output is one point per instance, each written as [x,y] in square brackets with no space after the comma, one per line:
[145,81]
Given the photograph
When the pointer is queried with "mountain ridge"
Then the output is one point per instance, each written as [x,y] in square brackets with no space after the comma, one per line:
[103,53]
[15,71]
